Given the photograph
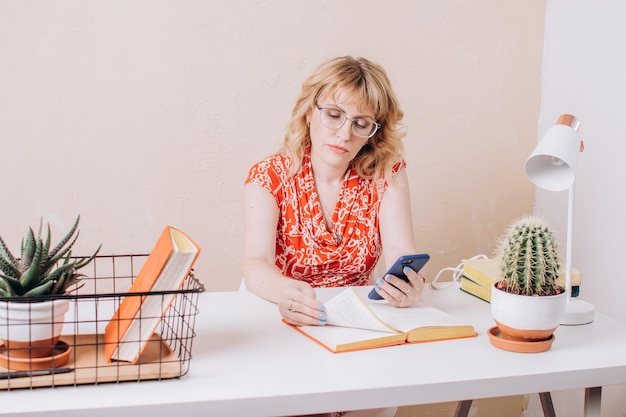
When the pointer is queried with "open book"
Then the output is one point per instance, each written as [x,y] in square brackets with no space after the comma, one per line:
[354,323]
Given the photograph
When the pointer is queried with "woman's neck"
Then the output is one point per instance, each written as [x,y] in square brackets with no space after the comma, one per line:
[327,174]
[328,183]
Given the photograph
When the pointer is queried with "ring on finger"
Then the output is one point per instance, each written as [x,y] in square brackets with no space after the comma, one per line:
[408,291]
[291,308]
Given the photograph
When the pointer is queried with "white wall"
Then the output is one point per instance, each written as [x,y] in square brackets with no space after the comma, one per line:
[584,73]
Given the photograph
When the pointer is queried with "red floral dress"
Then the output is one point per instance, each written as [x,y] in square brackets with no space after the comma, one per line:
[305,249]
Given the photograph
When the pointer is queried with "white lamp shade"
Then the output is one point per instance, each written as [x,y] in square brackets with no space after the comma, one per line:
[552,164]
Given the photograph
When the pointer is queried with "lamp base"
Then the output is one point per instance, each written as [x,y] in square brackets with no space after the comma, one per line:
[578,312]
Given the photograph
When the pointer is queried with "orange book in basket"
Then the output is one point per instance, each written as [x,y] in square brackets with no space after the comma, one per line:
[168,265]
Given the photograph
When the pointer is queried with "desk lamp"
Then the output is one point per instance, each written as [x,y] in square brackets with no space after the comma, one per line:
[551,166]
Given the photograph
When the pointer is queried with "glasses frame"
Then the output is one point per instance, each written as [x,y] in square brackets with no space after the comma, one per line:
[352,122]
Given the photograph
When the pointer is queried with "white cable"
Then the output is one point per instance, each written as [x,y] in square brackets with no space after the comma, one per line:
[456,276]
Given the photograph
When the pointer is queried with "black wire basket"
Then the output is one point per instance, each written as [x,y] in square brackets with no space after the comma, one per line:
[77,357]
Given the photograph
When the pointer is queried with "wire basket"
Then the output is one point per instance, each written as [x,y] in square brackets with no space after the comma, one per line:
[77,356]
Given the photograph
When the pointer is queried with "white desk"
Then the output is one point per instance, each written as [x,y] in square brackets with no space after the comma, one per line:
[247,363]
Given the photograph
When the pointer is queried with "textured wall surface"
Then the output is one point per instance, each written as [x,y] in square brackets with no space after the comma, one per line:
[146,113]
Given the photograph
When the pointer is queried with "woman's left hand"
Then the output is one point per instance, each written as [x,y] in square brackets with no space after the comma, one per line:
[398,292]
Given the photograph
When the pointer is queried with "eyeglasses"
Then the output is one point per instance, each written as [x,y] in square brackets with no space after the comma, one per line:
[362,127]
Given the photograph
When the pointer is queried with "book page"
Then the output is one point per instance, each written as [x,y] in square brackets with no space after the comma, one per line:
[347,309]
[416,316]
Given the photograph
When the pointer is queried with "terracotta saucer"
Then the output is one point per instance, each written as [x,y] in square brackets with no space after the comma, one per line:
[521,346]
[61,355]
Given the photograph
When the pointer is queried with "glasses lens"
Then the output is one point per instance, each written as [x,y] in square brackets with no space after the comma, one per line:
[363,127]
[332,118]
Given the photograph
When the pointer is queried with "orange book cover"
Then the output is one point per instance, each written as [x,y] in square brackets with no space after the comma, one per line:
[168,265]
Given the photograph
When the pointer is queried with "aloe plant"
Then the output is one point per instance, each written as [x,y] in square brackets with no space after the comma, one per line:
[40,269]
[528,258]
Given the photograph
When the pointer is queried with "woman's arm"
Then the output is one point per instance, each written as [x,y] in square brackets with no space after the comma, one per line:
[396,224]
[396,231]
[296,299]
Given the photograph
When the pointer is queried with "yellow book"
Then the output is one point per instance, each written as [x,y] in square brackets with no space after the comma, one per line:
[575,280]
[355,323]
[476,289]
[483,272]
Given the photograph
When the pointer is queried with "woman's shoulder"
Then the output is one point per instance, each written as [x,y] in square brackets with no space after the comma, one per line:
[398,164]
[277,163]
[272,169]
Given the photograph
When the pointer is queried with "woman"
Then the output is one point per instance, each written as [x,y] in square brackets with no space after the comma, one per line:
[321,211]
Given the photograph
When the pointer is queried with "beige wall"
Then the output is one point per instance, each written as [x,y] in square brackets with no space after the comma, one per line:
[145,113]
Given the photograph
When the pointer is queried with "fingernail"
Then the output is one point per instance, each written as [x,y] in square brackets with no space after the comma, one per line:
[379,281]
[406,270]
[322,317]
[321,307]
[322,322]
[388,277]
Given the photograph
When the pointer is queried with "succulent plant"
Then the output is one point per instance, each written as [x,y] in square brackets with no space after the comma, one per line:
[528,258]
[40,269]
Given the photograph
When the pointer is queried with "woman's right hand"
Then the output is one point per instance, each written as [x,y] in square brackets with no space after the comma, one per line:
[298,305]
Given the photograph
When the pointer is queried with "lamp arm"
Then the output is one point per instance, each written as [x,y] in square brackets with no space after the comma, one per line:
[568,249]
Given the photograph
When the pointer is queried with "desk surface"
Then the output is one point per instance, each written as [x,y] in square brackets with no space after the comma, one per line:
[246,362]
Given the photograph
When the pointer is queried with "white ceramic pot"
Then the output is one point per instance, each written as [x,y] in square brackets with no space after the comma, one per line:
[22,324]
[527,317]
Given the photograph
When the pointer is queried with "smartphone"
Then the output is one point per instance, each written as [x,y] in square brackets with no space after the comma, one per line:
[415,262]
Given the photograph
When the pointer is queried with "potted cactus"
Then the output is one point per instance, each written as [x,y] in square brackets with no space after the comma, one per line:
[527,301]
[31,288]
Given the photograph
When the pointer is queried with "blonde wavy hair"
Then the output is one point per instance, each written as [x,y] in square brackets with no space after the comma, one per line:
[368,80]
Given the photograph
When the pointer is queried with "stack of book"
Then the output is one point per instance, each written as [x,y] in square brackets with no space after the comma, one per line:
[479,275]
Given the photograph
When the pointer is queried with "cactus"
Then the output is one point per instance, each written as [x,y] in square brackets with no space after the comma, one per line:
[528,258]
[41,270]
